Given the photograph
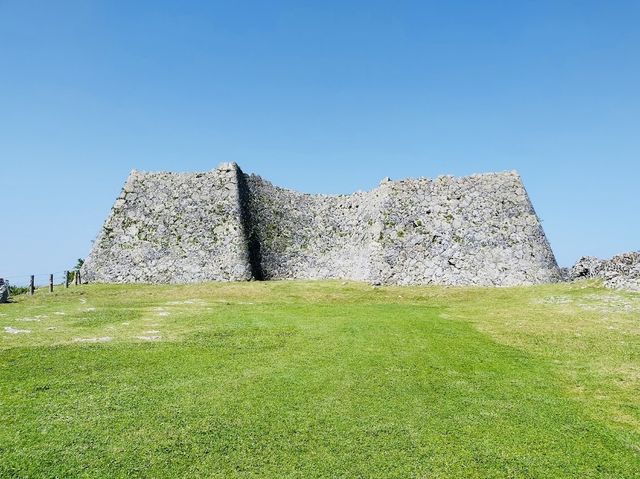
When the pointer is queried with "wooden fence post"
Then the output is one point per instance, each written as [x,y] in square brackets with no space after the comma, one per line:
[75,277]
[51,283]
[79,278]
[66,279]
[32,287]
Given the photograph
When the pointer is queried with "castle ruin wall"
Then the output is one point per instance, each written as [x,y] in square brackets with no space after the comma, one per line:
[173,228]
[227,226]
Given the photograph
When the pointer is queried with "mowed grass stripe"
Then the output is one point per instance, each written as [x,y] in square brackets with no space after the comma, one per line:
[309,380]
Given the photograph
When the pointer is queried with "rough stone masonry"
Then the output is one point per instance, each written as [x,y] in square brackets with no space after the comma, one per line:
[224,225]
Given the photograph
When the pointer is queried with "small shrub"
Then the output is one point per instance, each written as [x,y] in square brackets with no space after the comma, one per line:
[16,290]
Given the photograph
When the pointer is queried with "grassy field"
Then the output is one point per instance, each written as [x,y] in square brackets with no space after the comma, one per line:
[320,379]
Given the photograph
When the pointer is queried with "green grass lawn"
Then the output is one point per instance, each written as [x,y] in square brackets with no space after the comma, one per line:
[320,379]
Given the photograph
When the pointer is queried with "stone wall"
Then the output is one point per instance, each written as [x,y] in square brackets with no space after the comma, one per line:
[225,225]
[173,228]
[312,236]
[479,229]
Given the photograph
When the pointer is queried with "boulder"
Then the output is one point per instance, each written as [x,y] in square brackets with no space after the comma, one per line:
[586,267]
[4,291]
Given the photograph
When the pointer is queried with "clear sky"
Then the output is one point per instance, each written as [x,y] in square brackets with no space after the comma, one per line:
[325,97]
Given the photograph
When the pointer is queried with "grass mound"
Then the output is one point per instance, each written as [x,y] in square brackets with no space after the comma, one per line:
[320,379]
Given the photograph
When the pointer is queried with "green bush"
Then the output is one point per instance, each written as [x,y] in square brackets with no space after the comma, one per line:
[16,290]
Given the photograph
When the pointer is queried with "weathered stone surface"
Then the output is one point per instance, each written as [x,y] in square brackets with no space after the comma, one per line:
[4,291]
[225,225]
[620,272]
[172,228]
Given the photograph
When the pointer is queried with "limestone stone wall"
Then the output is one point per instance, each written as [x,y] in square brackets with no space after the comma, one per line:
[225,225]
[173,228]
[479,229]
[312,236]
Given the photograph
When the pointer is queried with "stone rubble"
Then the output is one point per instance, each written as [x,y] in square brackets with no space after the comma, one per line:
[620,272]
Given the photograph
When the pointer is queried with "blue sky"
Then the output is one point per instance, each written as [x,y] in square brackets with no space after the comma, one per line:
[320,97]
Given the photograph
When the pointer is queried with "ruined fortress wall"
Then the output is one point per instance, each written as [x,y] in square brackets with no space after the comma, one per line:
[173,228]
[479,229]
[312,236]
[225,225]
